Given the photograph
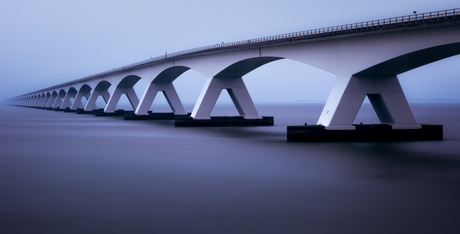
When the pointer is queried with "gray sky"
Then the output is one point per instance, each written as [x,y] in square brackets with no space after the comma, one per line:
[48,42]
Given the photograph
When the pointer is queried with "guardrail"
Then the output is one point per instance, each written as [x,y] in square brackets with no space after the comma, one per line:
[402,21]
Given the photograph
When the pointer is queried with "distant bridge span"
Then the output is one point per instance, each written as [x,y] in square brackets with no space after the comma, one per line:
[366,57]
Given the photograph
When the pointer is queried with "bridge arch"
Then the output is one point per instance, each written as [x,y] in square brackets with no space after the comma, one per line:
[103,85]
[41,98]
[129,81]
[52,99]
[230,79]
[243,67]
[85,88]
[72,90]
[163,82]
[31,100]
[380,84]
[125,86]
[70,97]
[62,92]
[60,95]
[101,89]
[84,91]
[46,99]
[409,61]
[67,102]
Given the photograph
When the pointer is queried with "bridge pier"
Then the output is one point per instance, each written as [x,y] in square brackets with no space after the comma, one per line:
[168,91]
[115,97]
[51,101]
[34,101]
[45,100]
[27,101]
[237,91]
[91,104]
[208,98]
[38,101]
[67,103]
[30,101]
[384,93]
[397,123]
[101,89]
[58,101]
[77,101]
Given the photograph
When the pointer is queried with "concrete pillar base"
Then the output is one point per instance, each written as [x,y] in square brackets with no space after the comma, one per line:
[363,133]
[223,121]
[155,116]
[119,112]
[92,112]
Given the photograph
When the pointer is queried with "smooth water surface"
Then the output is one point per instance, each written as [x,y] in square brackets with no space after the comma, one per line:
[68,173]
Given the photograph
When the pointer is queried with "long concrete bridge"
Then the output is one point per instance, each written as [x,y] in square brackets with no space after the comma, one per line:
[367,57]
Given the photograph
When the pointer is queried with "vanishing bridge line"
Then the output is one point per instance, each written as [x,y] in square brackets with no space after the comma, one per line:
[366,57]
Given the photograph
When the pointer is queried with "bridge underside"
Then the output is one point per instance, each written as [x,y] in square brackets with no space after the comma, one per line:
[410,61]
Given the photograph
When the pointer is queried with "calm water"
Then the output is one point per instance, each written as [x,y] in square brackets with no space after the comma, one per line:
[69,173]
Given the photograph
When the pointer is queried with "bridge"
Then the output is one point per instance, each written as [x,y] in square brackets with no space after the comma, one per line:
[366,57]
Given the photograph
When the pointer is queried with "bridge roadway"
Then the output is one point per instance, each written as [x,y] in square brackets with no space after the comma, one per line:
[366,57]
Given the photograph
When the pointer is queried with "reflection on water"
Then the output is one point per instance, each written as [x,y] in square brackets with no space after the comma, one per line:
[69,173]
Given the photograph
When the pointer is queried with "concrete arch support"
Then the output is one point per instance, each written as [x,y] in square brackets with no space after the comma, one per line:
[39,101]
[115,97]
[26,101]
[237,91]
[67,103]
[30,101]
[45,100]
[384,93]
[77,102]
[91,104]
[51,100]
[168,91]
[58,102]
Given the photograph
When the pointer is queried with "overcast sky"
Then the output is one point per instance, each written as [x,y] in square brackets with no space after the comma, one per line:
[44,43]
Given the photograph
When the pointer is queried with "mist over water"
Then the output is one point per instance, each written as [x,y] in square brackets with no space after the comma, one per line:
[68,173]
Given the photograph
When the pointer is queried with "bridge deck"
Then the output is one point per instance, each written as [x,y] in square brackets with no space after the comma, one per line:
[429,19]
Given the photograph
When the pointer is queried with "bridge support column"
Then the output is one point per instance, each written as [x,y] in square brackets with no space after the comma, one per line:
[45,100]
[58,101]
[38,102]
[28,101]
[384,93]
[91,104]
[77,102]
[67,102]
[115,97]
[51,100]
[168,91]
[237,91]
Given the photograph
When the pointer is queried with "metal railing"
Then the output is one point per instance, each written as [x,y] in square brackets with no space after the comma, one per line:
[389,23]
